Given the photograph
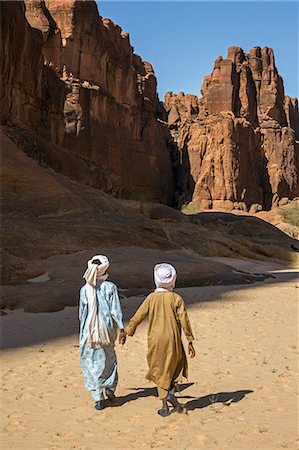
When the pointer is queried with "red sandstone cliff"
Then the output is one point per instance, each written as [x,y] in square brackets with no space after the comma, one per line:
[75,97]
[237,144]
[82,103]
[86,101]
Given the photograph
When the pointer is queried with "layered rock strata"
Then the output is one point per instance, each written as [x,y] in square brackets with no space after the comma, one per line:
[72,79]
[82,103]
[51,224]
[238,144]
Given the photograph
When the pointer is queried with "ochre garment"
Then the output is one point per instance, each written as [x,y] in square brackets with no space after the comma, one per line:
[166,355]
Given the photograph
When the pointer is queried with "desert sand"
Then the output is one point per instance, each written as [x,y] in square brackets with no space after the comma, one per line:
[241,393]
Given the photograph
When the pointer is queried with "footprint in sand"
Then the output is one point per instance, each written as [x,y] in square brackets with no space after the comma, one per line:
[134,418]
[14,426]
[279,409]
[88,434]
[201,439]
[120,432]
[63,434]
[92,418]
[241,419]
[135,444]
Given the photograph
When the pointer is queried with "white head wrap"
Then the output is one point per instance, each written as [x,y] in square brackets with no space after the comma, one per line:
[97,330]
[165,277]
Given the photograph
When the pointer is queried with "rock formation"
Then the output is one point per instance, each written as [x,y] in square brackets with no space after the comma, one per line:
[32,95]
[86,101]
[53,224]
[82,103]
[238,144]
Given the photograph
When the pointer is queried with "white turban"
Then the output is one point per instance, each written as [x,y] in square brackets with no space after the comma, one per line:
[97,331]
[96,271]
[165,276]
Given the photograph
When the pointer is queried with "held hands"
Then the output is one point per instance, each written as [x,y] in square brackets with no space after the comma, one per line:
[122,337]
[191,350]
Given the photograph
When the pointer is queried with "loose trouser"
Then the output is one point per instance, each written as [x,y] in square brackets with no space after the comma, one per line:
[162,393]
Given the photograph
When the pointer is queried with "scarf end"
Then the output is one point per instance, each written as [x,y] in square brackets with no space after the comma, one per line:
[97,343]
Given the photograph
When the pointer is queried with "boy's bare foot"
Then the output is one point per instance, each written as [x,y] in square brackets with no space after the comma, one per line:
[110,394]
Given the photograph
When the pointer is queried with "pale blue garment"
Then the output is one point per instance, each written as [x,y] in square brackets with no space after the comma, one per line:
[99,365]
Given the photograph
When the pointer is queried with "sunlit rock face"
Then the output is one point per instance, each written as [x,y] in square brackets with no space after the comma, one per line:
[72,78]
[80,101]
[238,144]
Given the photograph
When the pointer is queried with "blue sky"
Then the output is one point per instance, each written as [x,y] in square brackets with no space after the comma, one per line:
[181,39]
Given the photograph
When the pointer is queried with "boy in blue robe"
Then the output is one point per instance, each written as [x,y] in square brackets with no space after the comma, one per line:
[100,317]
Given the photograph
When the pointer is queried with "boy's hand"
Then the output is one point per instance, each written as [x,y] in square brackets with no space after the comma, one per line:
[191,350]
[122,337]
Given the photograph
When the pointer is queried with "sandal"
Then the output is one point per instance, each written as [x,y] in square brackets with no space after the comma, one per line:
[178,407]
[99,405]
[110,394]
[164,411]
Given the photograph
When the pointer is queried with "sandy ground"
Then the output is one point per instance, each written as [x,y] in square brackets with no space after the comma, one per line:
[242,391]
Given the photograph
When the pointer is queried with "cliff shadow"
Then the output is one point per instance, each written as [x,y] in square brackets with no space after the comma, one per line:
[183,180]
[266,186]
[36,329]
[51,305]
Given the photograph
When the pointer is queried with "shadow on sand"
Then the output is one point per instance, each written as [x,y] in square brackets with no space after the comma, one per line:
[225,398]
[20,329]
[140,393]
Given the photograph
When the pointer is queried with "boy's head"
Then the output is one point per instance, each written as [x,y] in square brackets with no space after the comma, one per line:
[165,276]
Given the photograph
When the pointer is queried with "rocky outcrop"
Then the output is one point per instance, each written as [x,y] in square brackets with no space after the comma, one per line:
[32,96]
[237,144]
[73,80]
[82,103]
[51,224]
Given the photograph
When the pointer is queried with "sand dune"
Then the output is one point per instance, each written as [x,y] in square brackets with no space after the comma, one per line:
[242,392]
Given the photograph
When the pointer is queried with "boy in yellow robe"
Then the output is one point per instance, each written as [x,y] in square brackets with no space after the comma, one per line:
[166,355]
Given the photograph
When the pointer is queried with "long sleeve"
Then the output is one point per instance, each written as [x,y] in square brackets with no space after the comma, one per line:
[184,320]
[138,317]
[116,311]
[82,301]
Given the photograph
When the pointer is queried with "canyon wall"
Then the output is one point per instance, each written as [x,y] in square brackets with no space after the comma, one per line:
[76,97]
[238,144]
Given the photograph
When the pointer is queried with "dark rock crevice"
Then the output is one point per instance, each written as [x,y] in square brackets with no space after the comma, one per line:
[248,129]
